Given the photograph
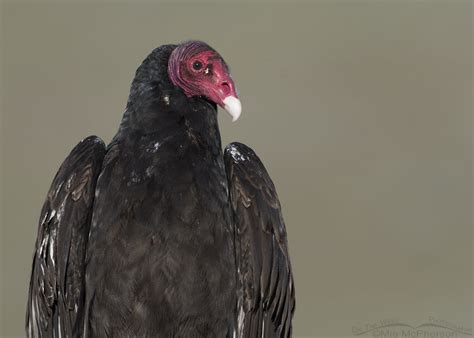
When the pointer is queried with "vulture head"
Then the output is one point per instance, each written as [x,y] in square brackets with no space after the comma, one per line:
[199,70]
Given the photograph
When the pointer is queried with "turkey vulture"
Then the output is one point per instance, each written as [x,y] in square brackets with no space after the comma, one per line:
[162,233]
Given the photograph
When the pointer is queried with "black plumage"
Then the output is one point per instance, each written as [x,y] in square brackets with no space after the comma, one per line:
[161,234]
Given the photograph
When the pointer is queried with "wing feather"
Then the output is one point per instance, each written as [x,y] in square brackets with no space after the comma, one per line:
[266,296]
[56,295]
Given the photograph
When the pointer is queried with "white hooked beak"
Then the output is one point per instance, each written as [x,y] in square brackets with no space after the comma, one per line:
[233,106]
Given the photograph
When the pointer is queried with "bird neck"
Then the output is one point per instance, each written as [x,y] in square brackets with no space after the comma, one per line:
[193,125]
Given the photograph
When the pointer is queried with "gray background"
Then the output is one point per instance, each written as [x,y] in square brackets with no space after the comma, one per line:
[361,111]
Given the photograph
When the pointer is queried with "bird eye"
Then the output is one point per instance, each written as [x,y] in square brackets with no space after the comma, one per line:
[197,65]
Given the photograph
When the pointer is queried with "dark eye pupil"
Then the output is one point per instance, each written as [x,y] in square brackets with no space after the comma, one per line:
[197,65]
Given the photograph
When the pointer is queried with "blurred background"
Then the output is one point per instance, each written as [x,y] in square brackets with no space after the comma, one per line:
[360,110]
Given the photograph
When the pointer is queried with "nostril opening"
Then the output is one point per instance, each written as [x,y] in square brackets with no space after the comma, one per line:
[225,88]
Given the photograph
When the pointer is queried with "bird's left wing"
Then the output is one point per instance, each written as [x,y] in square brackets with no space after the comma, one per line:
[55,300]
[266,295]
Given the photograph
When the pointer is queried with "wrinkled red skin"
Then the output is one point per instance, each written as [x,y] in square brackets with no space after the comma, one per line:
[212,80]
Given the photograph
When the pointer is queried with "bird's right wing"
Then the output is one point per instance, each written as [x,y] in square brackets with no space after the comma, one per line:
[56,296]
